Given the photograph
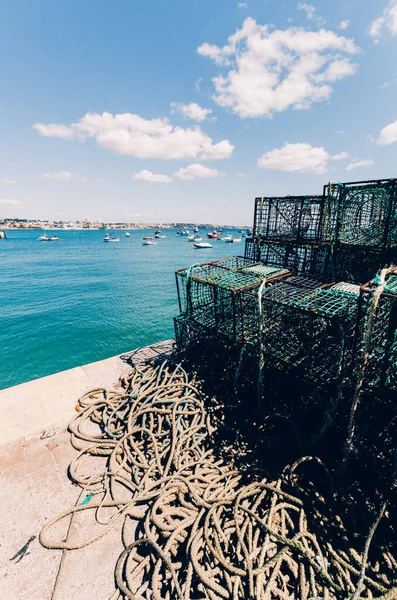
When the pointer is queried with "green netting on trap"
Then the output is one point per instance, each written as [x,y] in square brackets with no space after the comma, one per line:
[363,214]
[252,251]
[262,270]
[235,262]
[347,287]
[305,282]
[295,219]
[210,272]
[377,338]
[212,295]
[309,333]
[328,302]
[357,264]
[391,285]
[310,260]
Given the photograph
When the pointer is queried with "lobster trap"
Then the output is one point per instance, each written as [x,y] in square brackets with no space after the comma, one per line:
[214,295]
[293,219]
[357,264]
[361,213]
[308,333]
[214,357]
[377,337]
[251,251]
[301,259]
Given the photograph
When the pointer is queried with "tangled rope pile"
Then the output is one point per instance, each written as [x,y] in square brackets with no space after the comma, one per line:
[193,525]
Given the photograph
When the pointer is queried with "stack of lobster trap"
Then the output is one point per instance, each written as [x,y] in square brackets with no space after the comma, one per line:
[297,309]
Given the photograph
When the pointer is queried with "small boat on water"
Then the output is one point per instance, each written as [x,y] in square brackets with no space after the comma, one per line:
[110,238]
[159,236]
[195,230]
[190,238]
[147,239]
[232,240]
[202,245]
[148,242]
[157,232]
[2,234]
[213,235]
[46,238]
[227,238]
[127,234]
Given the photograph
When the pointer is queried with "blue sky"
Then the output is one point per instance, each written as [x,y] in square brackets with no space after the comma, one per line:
[101,104]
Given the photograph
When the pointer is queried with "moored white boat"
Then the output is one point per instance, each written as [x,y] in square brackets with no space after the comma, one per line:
[110,238]
[46,238]
[160,236]
[127,234]
[202,245]
[148,243]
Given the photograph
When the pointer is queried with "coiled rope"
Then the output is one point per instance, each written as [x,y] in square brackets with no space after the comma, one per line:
[193,525]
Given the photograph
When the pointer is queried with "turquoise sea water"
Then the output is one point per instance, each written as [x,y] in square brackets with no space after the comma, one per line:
[67,303]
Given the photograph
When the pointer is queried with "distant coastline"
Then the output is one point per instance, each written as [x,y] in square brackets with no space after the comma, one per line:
[26,225]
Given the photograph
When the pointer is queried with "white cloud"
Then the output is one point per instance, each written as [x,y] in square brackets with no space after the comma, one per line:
[300,158]
[8,181]
[53,130]
[387,21]
[191,111]
[242,5]
[152,177]
[272,71]
[311,13]
[341,156]
[133,135]
[336,70]
[344,24]
[387,84]
[62,176]
[358,164]
[197,85]
[197,171]
[11,202]
[388,135]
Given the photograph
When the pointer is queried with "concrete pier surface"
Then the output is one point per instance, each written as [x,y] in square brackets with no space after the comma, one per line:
[35,452]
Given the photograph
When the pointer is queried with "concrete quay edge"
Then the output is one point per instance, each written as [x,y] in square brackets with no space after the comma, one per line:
[49,402]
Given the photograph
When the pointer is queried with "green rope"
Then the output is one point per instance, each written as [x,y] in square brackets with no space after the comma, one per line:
[261,357]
